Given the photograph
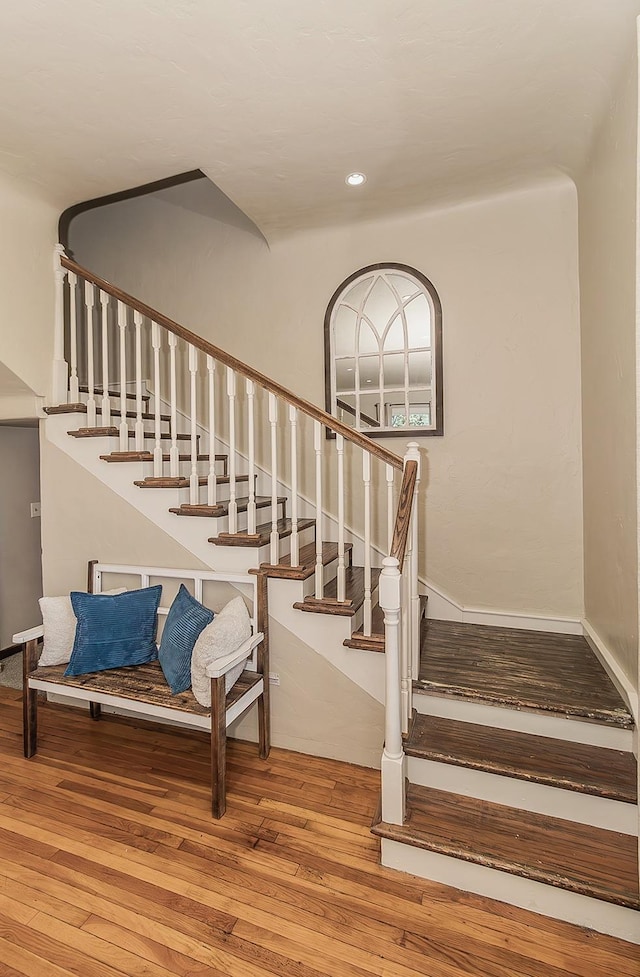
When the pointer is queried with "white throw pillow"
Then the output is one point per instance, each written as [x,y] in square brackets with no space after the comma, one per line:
[60,628]
[228,630]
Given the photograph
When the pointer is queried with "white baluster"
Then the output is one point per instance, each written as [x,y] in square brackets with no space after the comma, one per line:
[366,478]
[295,542]
[174,454]
[194,493]
[340,593]
[74,387]
[318,436]
[393,761]
[413,454]
[139,427]
[105,403]
[274,555]
[156,342]
[89,301]
[212,482]
[60,371]
[391,516]
[122,329]
[251,505]
[233,505]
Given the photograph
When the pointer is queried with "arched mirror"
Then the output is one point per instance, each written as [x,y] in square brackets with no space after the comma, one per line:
[383,352]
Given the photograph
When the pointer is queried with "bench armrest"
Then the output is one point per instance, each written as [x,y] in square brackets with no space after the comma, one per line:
[222,665]
[31,635]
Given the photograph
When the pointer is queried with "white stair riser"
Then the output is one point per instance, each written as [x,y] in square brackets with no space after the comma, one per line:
[538,724]
[547,900]
[601,812]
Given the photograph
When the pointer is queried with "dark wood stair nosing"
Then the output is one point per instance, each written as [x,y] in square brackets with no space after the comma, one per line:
[115,412]
[112,432]
[262,536]
[306,568]
[620,720]
[183,481]
[262,502]
[98,391]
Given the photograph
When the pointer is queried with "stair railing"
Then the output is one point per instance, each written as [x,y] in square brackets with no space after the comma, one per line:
[125,343]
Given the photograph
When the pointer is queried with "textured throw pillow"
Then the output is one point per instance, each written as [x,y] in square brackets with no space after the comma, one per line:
[60,628]
[187,617]
[231,627]
[113,632]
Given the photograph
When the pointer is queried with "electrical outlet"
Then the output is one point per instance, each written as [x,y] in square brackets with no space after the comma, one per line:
[35,510]
[274,678]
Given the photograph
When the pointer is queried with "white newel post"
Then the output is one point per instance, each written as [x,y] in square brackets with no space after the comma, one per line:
[60,374]
[413,454]
[393,761]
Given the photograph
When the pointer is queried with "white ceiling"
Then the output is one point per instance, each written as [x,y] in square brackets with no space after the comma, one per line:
[277,100]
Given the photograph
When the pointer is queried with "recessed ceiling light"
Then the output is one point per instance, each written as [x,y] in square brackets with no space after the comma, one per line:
[355,179]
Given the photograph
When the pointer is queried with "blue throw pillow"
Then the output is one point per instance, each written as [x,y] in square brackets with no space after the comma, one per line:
[187,617]
[114,631]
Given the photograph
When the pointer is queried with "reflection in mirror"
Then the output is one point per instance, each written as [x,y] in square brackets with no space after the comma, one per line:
[383,352]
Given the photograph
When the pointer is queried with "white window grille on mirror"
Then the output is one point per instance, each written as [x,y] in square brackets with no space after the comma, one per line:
[383,352]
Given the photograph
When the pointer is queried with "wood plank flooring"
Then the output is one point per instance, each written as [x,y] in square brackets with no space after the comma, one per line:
[527,669]
[110,865]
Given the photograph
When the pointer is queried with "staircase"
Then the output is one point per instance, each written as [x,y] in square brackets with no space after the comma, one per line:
[507,767]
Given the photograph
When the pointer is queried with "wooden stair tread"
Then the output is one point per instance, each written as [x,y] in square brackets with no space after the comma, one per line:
[572,766]
[531,670]
[591,861]
[125,457]
[262,536]
[115,412]
[354,594]
[375,641]
[182,481]
[307,562]
[222,508]
[113,432]
[83,388]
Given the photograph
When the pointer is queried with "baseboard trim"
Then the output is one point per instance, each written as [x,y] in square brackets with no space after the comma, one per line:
[443,607]
[612,668]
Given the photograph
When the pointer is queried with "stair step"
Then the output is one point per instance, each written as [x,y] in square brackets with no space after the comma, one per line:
[307,562]
[112,432]
[83,388]
[577,857]
[529,670]
[222,508]
[82,409]
[375,640]
[262,535]
[182,481]
[354,595]
[540,759]
[124,457]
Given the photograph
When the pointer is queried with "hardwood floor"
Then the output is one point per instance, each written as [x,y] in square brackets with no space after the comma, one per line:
[110,865]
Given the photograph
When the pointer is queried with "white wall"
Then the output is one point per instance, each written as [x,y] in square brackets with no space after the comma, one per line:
[607,206]
[20,566]
[503,489]
[28,233]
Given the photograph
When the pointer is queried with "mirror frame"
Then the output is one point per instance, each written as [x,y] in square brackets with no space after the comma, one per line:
[329,367]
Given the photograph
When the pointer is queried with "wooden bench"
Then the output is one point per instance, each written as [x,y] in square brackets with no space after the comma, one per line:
[142,689]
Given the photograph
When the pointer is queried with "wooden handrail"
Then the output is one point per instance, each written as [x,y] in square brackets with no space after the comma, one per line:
[388,457]
[403,514]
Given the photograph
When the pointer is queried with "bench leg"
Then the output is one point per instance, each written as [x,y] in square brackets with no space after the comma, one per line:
[29,700]
[264,738]
[218,747]
[95,710]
